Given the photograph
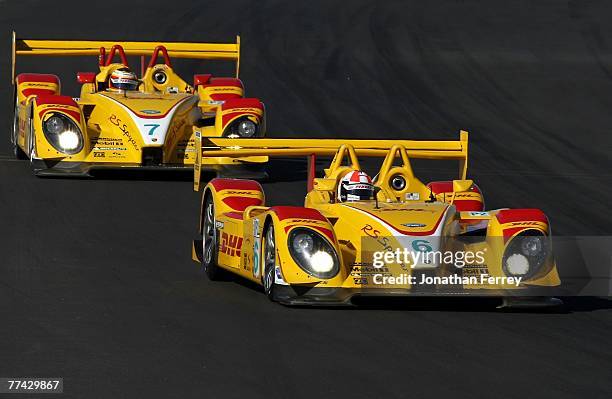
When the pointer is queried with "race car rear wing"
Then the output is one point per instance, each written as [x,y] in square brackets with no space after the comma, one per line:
[62,48]
[236,148]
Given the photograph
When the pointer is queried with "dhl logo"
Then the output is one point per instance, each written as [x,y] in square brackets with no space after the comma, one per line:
[467,195]
[525,224]
[517,227]
[305,221]
[51,86]
[230,244]
[256,111]
[225,89]
[59,106]
[233,192]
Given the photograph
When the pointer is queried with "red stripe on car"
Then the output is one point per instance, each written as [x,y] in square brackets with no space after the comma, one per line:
[297,212]
[37,77]
[241,203]
[235,184]
[516,215]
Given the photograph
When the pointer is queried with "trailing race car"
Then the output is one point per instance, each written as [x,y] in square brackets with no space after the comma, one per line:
[121,121]
[391,235]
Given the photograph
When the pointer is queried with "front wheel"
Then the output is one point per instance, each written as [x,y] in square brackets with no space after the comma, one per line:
[17,151]
[209,241]
[269,261]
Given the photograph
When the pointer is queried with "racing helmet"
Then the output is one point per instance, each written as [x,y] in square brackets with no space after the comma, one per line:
[122,79]
[355,186]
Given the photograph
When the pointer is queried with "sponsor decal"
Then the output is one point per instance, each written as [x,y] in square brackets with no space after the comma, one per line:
[370,231]
[230,244]
[521,224]
[475,270]
[99,154]
[412,196]
[219,225]
[109,148]
[474,213]
[413,225]
[175,129]
[150,111]
[421,246]
[124,129]
[107,141]
[256,248]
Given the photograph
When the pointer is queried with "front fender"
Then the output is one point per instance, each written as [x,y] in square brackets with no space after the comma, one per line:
[43,107]
[236,109]
[510,224]
[232,196]
[285,219]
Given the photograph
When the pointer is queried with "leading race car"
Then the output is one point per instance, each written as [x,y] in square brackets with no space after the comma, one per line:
[122,121]
[393,235]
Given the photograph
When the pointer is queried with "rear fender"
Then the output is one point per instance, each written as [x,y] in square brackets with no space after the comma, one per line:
[464,201]
[213,91]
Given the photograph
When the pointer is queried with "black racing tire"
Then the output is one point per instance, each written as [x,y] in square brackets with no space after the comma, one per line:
[17,151]
[210,246]
[268,273]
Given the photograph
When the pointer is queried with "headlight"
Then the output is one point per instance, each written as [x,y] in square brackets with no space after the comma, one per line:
[525,255]
[63,134]
[313,253]
[247,128]
[244,128]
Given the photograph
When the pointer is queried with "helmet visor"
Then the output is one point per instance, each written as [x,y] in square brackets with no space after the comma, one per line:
[359,194]
[124,84]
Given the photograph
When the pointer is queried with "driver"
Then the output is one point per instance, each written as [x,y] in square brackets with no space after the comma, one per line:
[355,186]
[122,79]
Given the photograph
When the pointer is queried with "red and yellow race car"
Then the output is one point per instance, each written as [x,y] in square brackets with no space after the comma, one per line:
[121,120]
[356,236]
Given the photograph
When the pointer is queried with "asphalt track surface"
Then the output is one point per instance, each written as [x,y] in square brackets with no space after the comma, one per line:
[96,282]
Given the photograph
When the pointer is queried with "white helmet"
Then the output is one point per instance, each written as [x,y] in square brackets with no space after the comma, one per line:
[123,79]
[355,186]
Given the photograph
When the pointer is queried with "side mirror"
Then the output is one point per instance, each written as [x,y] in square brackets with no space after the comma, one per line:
[462,185]
[376,191]
[86,77]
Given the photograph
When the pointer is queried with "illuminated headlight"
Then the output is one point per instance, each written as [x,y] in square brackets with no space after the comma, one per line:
[63,134]
[525,255]
[244,128]
[313,253]
[517,265]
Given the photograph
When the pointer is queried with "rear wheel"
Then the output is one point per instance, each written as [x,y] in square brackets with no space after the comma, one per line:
[269,261]
[17,151]
[209,241]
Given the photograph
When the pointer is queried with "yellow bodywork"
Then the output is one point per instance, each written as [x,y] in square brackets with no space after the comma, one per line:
[156,123]
[409,216]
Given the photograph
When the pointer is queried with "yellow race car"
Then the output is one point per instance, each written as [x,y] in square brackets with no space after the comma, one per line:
[391,235]
[124,121]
